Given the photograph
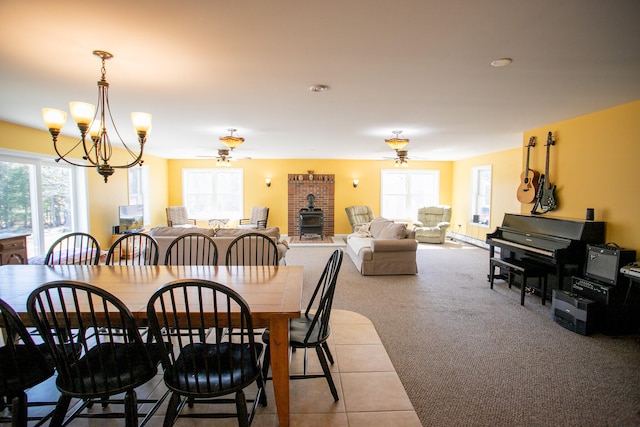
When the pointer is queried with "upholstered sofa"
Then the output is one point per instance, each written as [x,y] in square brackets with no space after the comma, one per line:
[222,237]
[432,224]
[383,247]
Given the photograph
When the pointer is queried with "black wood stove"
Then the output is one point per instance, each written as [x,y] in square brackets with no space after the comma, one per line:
[311,219]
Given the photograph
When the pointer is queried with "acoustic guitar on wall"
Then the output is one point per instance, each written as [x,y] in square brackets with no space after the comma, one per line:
[546,197]
[529,179]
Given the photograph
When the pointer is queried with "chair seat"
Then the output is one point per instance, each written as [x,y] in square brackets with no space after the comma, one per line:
[88,375]
[298,329]
[25,373]
[190,371]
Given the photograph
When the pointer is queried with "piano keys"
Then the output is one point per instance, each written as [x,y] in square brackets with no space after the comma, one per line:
[559,243]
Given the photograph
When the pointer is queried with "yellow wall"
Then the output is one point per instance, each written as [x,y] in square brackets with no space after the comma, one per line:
[595,164]
[505,178]
[275,197]
[103,198]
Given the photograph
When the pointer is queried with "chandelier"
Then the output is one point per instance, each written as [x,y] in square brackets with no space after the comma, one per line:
[397,142]
[96,146]
[231,141]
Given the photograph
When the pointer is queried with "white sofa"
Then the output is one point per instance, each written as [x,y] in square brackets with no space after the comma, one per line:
[383,247]
[222,237]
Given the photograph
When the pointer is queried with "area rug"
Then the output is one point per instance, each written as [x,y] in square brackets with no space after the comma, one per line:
[315,241]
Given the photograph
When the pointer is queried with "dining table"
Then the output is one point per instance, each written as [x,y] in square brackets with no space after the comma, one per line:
[273,294]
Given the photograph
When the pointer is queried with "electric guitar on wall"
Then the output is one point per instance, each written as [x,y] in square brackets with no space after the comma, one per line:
[529,179]
[546,198]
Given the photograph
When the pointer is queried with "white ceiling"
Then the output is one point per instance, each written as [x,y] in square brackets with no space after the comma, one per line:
[422,66]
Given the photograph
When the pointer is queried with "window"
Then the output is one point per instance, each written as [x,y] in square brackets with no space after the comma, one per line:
[138,187]
[41,197]
[213,193]
[404,192]
[481,195]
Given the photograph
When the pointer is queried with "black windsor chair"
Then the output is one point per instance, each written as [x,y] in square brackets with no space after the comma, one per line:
[252,248]
[192,249]
[109,363]
[23,364]
[205,368]
[133,249]
[312,329]
[74,248]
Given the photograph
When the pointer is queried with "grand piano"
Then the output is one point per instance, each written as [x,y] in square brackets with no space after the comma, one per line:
[558,243]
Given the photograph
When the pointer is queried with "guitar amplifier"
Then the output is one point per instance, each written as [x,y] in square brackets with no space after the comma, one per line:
[573,312]
[617,307]
[599,292]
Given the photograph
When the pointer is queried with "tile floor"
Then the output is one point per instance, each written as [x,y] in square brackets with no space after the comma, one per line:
[370,391]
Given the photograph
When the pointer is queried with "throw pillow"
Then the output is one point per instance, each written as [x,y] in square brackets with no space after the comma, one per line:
[393,231]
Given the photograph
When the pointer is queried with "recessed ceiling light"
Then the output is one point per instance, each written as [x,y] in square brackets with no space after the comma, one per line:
[319,88]
[502,62]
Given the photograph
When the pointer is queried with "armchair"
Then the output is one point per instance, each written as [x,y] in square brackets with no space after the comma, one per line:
[359,215]
[432,224]
[257,219]
[177,217]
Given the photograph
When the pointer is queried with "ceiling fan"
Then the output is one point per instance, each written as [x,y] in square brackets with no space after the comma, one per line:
[223,157]
[401,158]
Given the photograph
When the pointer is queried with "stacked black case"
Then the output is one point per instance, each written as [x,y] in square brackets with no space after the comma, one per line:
[573,312]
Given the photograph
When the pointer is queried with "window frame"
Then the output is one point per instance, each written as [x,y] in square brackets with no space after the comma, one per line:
[78,197]
[410,210]
[139,195]
[479,198]
[214,172]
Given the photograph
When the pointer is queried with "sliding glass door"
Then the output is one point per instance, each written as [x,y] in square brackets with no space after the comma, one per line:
[41,198]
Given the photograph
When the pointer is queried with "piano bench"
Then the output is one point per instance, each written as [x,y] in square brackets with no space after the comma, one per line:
[523,268]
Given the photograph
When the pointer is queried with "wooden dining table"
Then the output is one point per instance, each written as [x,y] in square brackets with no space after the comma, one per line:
[272,292]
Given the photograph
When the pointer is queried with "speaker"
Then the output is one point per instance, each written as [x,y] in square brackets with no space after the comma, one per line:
[115,229]
[573,312]
[603,263]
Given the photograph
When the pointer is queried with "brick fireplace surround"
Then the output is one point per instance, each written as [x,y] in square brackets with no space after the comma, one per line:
[323,188]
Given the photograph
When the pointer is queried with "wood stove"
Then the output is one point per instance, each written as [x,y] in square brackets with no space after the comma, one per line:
[311,219]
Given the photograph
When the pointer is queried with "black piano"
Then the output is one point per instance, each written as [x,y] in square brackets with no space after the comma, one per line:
[558,243]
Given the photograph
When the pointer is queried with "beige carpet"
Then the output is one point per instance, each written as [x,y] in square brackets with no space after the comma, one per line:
[471,356]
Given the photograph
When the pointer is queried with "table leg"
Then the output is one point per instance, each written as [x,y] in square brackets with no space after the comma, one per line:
[279,343]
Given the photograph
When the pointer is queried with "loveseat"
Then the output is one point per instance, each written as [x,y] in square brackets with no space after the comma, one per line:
[222,237]
[383,247]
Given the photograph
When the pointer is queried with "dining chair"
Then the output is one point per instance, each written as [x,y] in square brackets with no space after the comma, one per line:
[252,248]
[312,329]
[113,357]
[22,366]
[192,249]
[74,248]
[204,368]
[133,249]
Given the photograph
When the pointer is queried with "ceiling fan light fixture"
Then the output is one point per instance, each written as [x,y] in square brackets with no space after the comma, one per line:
[397,142]
[502,62]
[230,141]
[319,88]
[223,158]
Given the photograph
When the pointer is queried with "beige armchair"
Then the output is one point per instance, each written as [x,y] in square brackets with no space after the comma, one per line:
[257,219]
[432,224]
[177,217]
[359,215]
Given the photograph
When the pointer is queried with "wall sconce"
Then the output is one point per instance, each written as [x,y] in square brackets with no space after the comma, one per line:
[267,182]
[356,182]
